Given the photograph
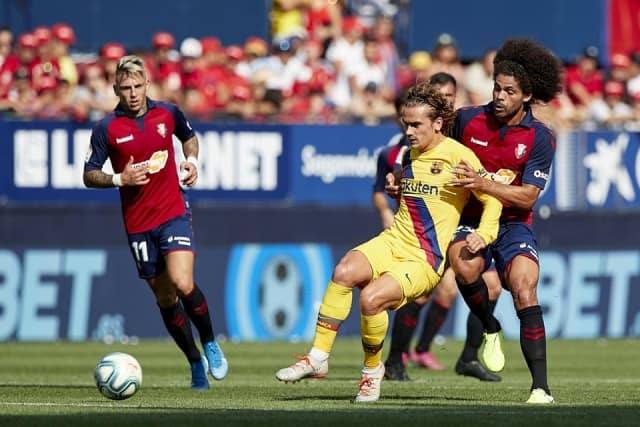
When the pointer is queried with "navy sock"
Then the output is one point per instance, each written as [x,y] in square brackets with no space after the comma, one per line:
[476,295]
[404,323]
[177,323]
[435,317]
[534,345]
[195,304]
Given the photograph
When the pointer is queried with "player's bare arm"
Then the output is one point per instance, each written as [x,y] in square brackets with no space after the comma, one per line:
[129,176]
[383,208]
[189,167]
[519,196]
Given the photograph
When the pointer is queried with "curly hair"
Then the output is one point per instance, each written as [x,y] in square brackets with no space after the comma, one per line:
[427,94]
[535,68]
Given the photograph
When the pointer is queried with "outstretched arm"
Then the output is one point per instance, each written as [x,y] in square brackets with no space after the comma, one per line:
[518,196]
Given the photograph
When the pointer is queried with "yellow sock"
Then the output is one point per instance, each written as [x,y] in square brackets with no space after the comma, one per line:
[374,329]
[335,307]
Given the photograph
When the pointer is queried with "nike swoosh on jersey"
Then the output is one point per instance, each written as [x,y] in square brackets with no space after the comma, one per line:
[124,139]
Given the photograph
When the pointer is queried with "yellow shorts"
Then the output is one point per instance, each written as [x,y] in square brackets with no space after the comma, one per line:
[415,276]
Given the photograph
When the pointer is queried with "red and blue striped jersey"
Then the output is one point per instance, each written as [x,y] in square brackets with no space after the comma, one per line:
[512,155]
[149,139]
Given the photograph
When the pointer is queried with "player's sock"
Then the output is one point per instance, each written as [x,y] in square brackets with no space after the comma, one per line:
[474,336]
[436,315]
[534,345]
[404,323]
[195,304]
[476,295]
[335,307]
[177,323]
[374,329]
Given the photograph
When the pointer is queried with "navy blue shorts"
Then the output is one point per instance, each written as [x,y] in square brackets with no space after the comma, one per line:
[514,238]
[149,248]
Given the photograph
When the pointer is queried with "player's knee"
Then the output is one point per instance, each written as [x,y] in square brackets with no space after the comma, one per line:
[524,294]
[343,274]
[466,272]
[445,296]
[183,285]
[370,302]
[166,299]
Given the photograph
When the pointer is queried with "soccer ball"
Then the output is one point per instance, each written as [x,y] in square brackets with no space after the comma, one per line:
[118,376]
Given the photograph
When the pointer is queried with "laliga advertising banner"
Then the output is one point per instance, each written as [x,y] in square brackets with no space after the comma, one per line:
[44,161]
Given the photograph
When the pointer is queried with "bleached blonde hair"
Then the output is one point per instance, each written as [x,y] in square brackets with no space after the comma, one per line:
[129,65]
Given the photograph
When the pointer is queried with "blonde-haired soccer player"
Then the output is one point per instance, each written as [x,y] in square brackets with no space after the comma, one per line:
[406,260]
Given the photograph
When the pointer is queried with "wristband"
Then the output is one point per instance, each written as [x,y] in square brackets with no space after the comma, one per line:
[116,179]
[193,161]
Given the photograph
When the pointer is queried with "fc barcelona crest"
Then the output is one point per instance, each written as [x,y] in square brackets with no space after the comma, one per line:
[162,130]
[436,168]
[521,149]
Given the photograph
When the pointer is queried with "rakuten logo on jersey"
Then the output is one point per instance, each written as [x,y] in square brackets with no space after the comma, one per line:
[542,175]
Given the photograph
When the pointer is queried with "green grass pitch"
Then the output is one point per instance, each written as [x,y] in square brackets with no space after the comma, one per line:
[595,383]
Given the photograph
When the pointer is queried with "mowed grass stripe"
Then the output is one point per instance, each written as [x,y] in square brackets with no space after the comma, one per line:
[595,382]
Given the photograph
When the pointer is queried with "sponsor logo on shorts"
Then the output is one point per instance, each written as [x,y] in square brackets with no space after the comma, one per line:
[181,240]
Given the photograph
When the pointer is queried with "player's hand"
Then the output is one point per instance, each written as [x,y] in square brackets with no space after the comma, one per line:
[391,186]
[466,176]
[134,176]
[188,174]
[475,243]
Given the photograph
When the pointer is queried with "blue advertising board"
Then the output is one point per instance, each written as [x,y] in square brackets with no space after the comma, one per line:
[44,161]
[274,292]
[62,281]
[300,165]
[611,170]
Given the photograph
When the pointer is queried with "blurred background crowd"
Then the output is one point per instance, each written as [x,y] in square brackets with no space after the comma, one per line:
[325,63]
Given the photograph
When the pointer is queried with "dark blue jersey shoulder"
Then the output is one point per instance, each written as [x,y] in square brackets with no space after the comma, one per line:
[99,143]
[183,129]
[464,115]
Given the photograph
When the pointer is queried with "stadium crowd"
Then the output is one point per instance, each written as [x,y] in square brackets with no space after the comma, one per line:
[322,65]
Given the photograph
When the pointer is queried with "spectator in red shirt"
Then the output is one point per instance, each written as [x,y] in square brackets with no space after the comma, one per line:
[110,53]
[63,37]
[164,69]
[45,66]
[24,55]
[584,80]
[6,43]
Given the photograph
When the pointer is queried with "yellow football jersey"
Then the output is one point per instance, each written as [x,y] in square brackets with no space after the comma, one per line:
[430,207]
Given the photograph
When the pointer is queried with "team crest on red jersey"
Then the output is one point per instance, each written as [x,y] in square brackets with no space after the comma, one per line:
[521,149]
[436,168]
[162,130]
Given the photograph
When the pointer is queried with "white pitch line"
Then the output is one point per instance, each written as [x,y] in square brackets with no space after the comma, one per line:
[77,405]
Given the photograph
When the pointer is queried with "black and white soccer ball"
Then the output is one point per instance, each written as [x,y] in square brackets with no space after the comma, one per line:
[118,376]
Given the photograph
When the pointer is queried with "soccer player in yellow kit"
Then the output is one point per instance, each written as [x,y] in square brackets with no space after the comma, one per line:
[406,260]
